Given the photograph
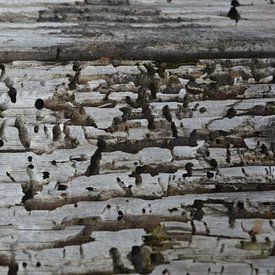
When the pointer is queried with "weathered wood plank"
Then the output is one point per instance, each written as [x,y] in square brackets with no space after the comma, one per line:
[69,30]
[137,167]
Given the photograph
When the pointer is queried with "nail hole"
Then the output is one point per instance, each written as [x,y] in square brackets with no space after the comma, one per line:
[36,129]
[46,175]
[39,104]
[62,187]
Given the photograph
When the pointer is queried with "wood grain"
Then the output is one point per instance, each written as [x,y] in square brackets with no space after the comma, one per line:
[137,137]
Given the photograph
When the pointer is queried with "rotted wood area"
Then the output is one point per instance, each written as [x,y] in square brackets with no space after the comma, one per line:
[126,148]
[138,167]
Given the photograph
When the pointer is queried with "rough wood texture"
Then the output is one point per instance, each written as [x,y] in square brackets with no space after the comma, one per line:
[124,148]
[136,29]
[138,167]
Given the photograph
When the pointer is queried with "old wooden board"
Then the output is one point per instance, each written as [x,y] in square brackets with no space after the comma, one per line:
[137,136]
[137,167]
[134,29]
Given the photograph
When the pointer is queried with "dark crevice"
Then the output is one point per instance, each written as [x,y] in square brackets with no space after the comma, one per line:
[13,269]
[93,168]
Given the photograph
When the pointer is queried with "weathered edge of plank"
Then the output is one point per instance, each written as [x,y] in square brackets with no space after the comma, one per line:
[125,50]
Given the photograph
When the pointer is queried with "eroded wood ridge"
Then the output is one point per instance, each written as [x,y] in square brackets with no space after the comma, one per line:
[137,167]
[135,29]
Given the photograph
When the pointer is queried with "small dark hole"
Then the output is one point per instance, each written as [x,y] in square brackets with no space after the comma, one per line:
[90,188]
[29,158]
[75,205]
[108,206]
[12,94]
[38,264]
[24,264]
[213,163]
[39,104]
[36,129]
[202,110]
[143,210]
[1,143]
[54,162]
[46,175]
[62,187]
[31,166]
[231,112]
[210,175]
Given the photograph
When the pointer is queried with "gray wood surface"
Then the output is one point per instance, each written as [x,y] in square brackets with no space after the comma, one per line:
[136,29]
[137,137]
[111,177]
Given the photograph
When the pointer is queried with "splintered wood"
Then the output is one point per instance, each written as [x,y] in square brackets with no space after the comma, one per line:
[137,167]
